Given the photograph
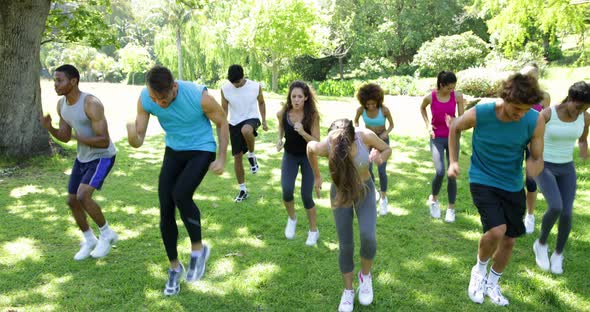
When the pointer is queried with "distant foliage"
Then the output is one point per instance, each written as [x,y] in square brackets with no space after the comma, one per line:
[394,85]
[337,87]
[311,68]
[480,82]
[373,68]
[454,53]
[532,53]
[398,85]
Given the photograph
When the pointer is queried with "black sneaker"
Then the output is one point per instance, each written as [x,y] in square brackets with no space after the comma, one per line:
[242,195]
[253,164]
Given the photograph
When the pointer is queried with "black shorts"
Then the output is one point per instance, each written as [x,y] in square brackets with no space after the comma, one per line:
[497,207]
[238,143]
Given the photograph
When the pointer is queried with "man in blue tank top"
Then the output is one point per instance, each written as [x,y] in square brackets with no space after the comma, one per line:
[95,157]
[185,112]
[502,130]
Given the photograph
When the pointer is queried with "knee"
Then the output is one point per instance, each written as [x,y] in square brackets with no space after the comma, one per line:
[556,208]
[440,173]
[497,233]
[346,250]
[508,242]
[73,202]
[288,195]
[247,130]
[368,246]
[83,195]
[180,197]
[308,202]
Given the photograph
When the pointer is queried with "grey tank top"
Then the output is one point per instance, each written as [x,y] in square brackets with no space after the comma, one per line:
[361,159]
[76,117]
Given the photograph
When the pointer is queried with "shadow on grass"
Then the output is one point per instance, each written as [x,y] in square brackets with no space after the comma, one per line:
[421,264]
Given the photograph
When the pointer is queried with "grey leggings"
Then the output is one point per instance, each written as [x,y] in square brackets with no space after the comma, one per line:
[558,184]
[367,219]
[289,169]
[438,146]
[382,169]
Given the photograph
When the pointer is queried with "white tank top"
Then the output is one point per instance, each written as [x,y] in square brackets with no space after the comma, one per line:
[243,101]
[560,138]
[75,116]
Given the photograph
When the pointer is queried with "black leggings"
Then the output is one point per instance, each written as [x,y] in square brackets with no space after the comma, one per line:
[181,174]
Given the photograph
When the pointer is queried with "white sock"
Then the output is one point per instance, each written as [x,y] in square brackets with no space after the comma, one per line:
[105,228]
[493,277]
[251,154]
[197,253]
[243,187]
[384,200]
[482,266]
[89,235]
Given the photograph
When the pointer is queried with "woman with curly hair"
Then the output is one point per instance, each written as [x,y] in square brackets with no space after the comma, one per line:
[375,115]
[350,151]
[299,123]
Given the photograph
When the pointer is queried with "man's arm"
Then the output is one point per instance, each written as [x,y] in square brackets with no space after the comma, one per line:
[95,112]
[462,123]
[534,164]
[136,130]
[64,133]
[262,108]
[215,113]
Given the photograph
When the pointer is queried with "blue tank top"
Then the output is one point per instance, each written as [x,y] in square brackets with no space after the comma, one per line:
[498,147]
[374,122]
[186,125]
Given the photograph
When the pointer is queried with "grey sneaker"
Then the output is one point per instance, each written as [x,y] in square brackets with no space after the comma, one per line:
[173,283]
[196,266]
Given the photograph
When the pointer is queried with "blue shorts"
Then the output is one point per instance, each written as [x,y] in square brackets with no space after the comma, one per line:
[92,173]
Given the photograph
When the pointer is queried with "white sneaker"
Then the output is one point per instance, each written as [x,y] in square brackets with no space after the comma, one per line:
[312,238]
[529,223]
[476,285]
[450,215]
[365,289]
[85,249]
[346,301]
[104,244]
[377,195]
[495,294]
[541,255]
[556,263]
[383,207]
[290,228]
[434,209]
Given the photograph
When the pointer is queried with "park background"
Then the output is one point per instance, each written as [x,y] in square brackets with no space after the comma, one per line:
[422,264]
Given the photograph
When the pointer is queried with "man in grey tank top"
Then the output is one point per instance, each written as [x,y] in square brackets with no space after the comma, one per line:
[95,157]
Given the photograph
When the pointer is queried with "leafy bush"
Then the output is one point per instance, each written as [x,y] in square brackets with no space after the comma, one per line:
[394,85]
[310,69]
[452,53]
[337,87]
[398,85]
[532,53]
[480,82]
[373,68]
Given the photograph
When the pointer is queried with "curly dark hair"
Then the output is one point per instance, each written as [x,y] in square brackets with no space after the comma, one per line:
[370,91]
[578,92]
[520,89]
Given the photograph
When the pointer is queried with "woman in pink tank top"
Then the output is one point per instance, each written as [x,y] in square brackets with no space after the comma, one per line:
[532,70]
[445,104]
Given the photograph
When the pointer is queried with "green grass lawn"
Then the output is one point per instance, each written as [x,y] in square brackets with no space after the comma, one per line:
[421,264]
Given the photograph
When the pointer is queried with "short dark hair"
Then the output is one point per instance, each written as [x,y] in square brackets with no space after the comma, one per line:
[370,91]
[521,89]
[235,73]
[159,79]
[445,78]
[70,71]
[579,92]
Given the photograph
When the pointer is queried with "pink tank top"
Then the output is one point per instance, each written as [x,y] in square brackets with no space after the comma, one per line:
[538,107]
[439,111]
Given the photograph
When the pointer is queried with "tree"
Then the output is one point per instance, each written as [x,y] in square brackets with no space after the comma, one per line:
[283,29]
[22,24]
[135,59]
[513,23]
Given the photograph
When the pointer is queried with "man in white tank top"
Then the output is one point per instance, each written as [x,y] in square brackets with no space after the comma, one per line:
[95,157]
[239,99]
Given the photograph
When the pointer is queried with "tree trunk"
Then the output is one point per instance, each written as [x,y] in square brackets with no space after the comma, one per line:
[21,27]
[341,68]
[275,73]
[179,51]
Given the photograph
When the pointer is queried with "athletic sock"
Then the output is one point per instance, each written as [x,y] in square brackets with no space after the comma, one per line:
[105,228]
[493,277]
[196,253]
[251,154]
[89,235]
[243,187]
[482,266]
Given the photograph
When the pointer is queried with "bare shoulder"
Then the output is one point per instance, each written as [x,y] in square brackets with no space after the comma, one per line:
[385,110]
